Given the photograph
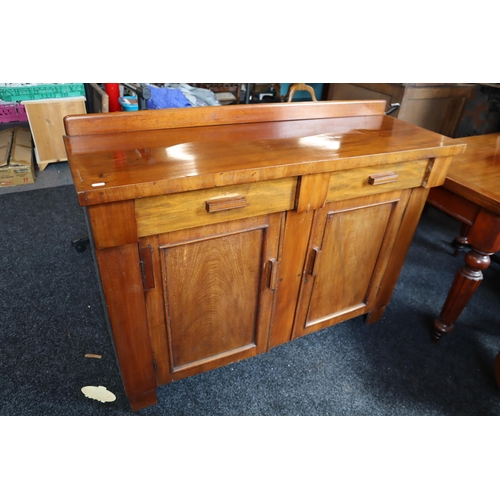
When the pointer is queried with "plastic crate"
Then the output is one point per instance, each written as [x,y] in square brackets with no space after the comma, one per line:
[49,91]
[12,112]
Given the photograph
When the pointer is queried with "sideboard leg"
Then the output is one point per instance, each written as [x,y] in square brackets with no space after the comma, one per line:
[124,294]
[374,316]
[466,281]
[140,401]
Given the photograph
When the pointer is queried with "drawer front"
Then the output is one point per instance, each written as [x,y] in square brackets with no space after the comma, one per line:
[162,214]
[365,181]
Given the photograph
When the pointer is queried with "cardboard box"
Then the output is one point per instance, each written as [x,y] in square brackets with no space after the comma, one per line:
[17,166]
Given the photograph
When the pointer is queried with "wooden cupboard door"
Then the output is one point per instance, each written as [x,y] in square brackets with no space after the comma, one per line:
[218,289]
[350,246]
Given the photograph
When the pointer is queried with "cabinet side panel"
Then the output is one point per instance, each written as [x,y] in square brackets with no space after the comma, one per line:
[403,240]
[122,285]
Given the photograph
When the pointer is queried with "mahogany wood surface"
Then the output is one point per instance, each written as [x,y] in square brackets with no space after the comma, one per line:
[352,238]
[217,287]
[224,154]
[200,117]
[475,175]
[222,233]
[291,264]
[471,193]
[159,214]
[121,278]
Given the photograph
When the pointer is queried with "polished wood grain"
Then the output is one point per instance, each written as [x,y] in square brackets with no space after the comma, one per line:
[237,229]
[437,169]
[475,175]
[353,183]
[291,265]
[182,161]
[121,278]
[471,193]
[218,298]
[382,178]
[183,210]
[348,238]
[311,191]
[155,307]
[224,204]
[113,224]
[402,241]
[201,116]
[464,210]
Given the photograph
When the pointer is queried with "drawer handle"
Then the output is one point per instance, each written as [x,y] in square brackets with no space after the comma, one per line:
[220,204]
[382,178]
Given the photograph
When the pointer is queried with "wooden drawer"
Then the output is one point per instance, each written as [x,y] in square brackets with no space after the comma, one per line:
[162,214]
[375,180]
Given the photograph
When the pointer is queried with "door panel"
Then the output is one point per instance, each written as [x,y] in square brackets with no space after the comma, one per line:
[207,282]
[217,293]
[350,246]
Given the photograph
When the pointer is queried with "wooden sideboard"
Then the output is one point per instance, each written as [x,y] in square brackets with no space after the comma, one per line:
[222,232]
[437,107]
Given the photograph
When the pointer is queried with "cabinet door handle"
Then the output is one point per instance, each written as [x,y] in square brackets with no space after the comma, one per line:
[273,274]
[314,262]
[382,178]
[219,204]
[146,262]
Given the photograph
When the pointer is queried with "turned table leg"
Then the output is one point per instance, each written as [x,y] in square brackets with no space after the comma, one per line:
[484,240]
[460,242]
[466,281]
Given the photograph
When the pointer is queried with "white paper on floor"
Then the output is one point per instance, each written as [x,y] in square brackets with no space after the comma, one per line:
[99,393]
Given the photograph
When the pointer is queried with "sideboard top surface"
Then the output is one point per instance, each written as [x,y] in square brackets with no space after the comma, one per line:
[113,165]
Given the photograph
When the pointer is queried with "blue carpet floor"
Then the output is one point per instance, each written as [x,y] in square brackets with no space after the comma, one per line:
[52,317]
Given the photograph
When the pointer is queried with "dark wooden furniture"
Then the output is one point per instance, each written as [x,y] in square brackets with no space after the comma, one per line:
[434,106]
[471,194]
[221,232]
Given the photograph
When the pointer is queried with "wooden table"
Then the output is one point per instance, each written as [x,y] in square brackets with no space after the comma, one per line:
[222,232]
[471,193]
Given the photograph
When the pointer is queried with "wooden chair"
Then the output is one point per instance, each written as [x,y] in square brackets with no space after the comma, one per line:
[299,86]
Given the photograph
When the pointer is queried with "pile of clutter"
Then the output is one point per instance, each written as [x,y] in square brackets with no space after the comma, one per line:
[180,95]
